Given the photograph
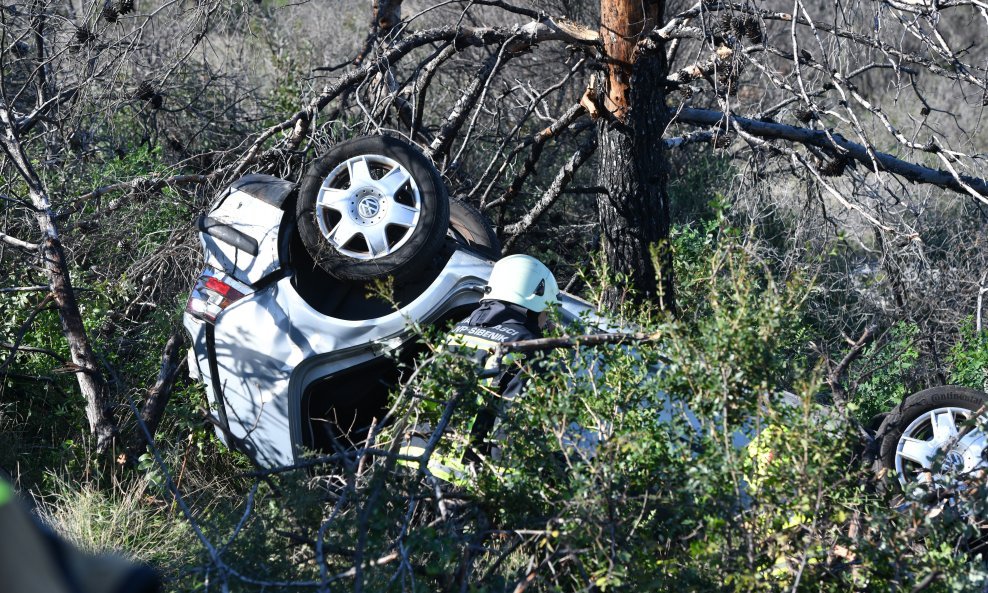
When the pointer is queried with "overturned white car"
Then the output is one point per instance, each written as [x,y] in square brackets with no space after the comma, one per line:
[293,350]
[296,355]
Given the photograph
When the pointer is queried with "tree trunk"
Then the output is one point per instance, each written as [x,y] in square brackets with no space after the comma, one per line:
[634,213]
[159,394]
[99,412]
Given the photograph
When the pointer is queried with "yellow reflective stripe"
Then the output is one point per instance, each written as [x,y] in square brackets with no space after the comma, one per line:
[410,451]
[491,362]
[462,340]
[446,469]
[6,493]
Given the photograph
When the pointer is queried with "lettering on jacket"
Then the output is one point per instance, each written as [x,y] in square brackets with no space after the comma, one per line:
[498,333]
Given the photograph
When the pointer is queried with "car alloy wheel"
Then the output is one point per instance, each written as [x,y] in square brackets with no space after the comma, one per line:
[372,207]
[368,207]
[934,434]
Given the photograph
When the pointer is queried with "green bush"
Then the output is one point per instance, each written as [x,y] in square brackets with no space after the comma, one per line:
[882,373]
[667,497]
[620,468]
[968,358]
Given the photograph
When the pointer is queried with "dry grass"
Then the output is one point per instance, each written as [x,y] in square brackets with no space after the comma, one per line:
[125,518]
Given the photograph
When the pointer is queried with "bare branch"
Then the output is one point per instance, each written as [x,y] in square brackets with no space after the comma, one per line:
[26,289]
[835,375]
[443,141]
[563,177]
[15,242]
[537,142]
[575,342]
[32,350]
[864,40]
[522,37]
[144,184]
[982,289]
[510,136]
[160,392]
[510,8]
[423,85]
[886,162]
[692,138]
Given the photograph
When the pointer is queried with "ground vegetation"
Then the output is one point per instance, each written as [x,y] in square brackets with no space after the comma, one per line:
[782,196]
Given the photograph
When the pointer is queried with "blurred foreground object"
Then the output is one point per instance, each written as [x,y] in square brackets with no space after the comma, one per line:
[33,559]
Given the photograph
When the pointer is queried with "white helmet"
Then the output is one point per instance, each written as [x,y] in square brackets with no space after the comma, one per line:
[522,280]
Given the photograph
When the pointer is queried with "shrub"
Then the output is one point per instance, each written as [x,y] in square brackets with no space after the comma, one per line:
[968,358]
[882,373]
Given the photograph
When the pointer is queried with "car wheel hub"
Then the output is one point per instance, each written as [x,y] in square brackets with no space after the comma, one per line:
[952,462]
[933,444]
[368,207]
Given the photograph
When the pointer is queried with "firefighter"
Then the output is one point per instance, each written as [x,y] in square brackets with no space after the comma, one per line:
[515,307]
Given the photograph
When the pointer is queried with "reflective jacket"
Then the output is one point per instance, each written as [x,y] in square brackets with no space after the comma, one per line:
[478,336]
[492,324]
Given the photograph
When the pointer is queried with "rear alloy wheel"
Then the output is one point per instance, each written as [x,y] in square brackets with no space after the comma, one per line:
[934,434]
[372,207]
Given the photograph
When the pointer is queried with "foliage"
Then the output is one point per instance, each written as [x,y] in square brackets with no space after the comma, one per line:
[882,375]
[968,358]
[698,182]
[619,469]
[625,468]
[693,246]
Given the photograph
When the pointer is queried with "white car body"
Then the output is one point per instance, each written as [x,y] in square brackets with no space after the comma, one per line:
[263,351]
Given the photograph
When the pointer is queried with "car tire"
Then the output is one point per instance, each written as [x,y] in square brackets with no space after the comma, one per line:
[372,207]
[914,432]
[472,228]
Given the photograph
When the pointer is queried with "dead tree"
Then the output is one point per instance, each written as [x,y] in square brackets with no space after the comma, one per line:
[792,87]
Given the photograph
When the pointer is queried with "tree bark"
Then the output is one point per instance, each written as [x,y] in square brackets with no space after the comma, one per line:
[99,411]
[387,13]
[86,367]
[159,394]
[634,213]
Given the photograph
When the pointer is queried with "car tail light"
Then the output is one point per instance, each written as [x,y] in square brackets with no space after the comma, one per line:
[213,292]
